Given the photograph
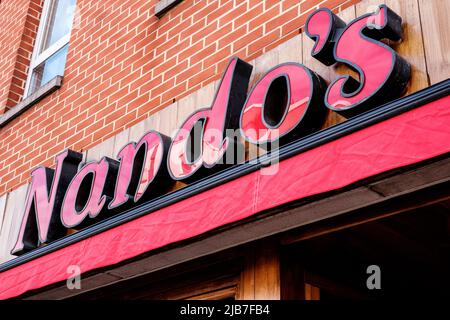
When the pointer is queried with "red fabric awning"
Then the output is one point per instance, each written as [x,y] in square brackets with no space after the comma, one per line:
[406,139]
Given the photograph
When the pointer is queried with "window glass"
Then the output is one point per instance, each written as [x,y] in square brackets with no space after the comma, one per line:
[52,67]
[59,22]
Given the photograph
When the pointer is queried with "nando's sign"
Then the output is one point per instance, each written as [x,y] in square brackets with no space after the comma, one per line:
[288,102]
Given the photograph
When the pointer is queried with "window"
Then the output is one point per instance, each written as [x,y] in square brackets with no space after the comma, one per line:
[50,50]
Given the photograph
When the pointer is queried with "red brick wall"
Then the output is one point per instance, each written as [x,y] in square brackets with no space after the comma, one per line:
[19,21]
[124,64]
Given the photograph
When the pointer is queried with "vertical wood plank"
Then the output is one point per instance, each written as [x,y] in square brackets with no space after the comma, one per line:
[313,64]
[186,107]
[17,212]
[2,211]
[291,50]
[292,275]
[247,281]
[6,226]
[12,220]
[367,6]
[138,130]
[264,63]
[168,120]
[434,15]
[120,141]
[104,149]
[411,48]
[260,277]
[204,96]
[252,79]
[267,271]
[312,292]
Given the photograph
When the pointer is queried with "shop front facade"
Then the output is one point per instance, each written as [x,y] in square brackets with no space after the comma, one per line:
[241,150]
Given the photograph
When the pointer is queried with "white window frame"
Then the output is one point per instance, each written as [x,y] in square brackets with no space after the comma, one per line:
[38,58]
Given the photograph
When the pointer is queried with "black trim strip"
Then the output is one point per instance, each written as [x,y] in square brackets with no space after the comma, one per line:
[314,140]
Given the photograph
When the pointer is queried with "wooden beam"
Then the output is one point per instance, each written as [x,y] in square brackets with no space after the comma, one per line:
[393,206]
[260,277]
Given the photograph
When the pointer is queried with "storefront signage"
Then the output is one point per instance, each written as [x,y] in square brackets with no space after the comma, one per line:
[289,102]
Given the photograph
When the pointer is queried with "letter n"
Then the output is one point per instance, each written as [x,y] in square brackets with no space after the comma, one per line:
[41,222]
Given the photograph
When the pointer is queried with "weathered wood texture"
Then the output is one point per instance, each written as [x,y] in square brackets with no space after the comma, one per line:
[260,277]
[434,16]
[12,217]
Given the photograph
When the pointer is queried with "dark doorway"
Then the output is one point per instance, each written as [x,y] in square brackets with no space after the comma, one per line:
[411,250]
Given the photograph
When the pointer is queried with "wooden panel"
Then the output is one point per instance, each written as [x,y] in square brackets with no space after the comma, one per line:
[413,180]
[260,277]
[247,281]
[168,120]
[435,20]
[267,271]
[315,283]
[3,200]
[11,222]
[120,141]
[262,64]
[252,76]
[367,6]
[311,292]
[104,149]
[138,130]
[203,282]
[313,64]
[222,294]
[209,277]
[186,107]
[16,210]
[221,287]
[292,275]
[88,282]
[265,62]
[411,48]
[204,96]
[291,50]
